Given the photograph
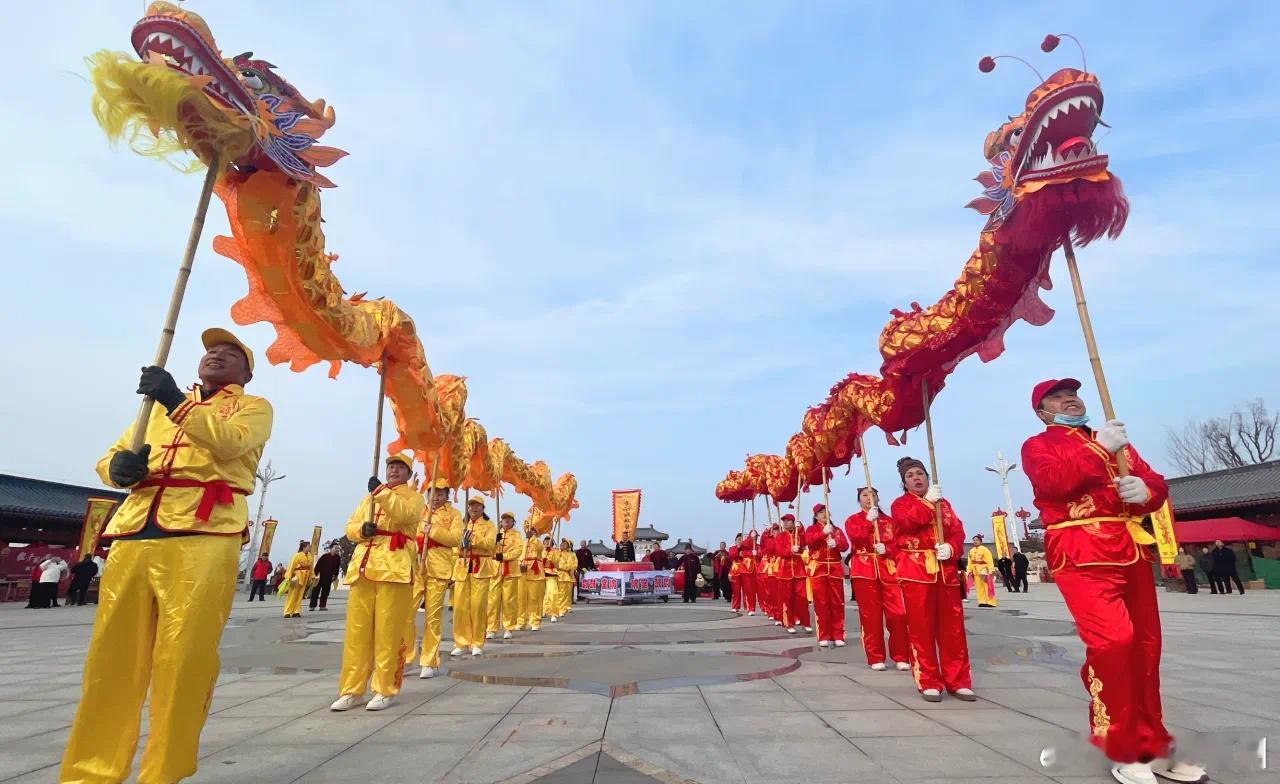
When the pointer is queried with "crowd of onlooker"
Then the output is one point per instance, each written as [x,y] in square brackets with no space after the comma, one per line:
[47,577]
[1217,564]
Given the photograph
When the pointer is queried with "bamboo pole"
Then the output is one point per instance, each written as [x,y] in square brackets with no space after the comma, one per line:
[933,459]
[866,473]
[1091,344]
[743,528]
[426,529]
[753,512]
[377,435]
[175,299]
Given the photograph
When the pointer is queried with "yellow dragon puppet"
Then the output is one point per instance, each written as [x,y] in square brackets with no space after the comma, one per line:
[183,96]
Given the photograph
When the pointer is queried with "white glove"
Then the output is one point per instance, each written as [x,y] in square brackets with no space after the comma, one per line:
[944,552]
[831,541]
[1112,436]
[827,529]
[933,494]
[795,549]
[878,547]
[873,514]
[1132,490]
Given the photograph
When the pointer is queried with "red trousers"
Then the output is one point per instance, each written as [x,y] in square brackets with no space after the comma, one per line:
[935,624]
[828,607]
[744,594]
[793,600]
[1115,611]
[881,607]
[767,586]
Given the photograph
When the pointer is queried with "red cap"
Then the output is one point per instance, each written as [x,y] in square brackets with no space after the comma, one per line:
[818,508]
[789,516]
[1052,385]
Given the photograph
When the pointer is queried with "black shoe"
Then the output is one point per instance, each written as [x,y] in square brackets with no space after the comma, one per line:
[324,609]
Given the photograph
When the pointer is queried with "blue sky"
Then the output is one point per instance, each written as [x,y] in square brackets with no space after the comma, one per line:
[651,234]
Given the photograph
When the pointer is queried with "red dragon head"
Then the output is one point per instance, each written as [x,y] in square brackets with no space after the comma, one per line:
[286,124]
[1049,149]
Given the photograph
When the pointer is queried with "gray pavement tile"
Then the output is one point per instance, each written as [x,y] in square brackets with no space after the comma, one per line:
[449,703]
[328,727]
[910,697]
[731,703]
[409,763]
[907,759]
[746,725]
[584,772]
[677,725]
[562,703]
[762,685]
[986,721]
[19,708]
[264,762]
[34,723]
[708,761]
[542,727]
[884,724]
[1072,754]
[1073,719]
[222,731]
[610,771]
[1035,698]
[32,754]
[850,697]
[661,703]
[453,728]
[838,763]
[494,760]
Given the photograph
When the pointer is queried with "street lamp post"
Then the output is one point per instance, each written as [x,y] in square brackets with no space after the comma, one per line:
[265,477]
[1002,468]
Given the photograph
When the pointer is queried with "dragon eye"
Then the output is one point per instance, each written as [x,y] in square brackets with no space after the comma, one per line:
[1015,135]
[251,79]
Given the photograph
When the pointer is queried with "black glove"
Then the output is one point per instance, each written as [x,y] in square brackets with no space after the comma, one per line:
[157,384]
[129,468]
[374,483]
[497,557]
[369,530]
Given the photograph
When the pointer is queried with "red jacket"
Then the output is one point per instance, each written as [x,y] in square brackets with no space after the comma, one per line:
[790,565]
[824,560]
[261,570]
[1072,477]
[915,539]
[748,555]
[865,563]
[720,563]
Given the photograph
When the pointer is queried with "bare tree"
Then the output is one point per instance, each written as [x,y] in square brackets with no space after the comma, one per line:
[1246,436]
[265,477]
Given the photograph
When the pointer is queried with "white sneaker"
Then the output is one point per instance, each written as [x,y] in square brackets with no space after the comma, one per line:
[456,652]
[1177,770]
[878,666]
[903,666]
[823,644]
[553,619]
[749,613]
[488,635]
[379,702]
[476,651]
[427,672]
[808,629]
[777,623]
[422,609]
[840,643]
[1133,773]
[506,635]
[965,695]
[931,695]
[792,630]
[346,702]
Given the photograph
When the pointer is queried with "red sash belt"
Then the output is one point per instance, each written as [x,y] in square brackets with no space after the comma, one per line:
[534,565]
[398,539]
[302,568]
[216,492]
[474,566]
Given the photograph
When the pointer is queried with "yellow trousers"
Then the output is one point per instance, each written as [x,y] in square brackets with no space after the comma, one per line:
[293,599]
[161,608]
[375,642]
[504,604]
[531,593]
[564,597]
[432,626]
[470,611]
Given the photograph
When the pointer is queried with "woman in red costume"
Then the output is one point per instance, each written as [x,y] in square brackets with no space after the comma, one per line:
[766,576]
[792,601]
[931,585]
[745,583]
[826,576]
[875,583]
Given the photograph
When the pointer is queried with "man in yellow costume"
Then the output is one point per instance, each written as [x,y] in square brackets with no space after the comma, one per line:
[171,575]
[568,563]
[551,568]
[473,575]
[296,578]
[380,573]
[504,601]
[533,581]
[982,570]
[438,539]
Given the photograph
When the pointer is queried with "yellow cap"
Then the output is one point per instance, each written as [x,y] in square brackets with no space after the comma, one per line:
[216,336]
[507,515]
[402,459]
[476,499]
[441,484]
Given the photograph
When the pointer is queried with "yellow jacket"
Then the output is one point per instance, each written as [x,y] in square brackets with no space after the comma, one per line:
[551,562]
[568,565]
[299,567]
[512,551]
[441,541]
[477,559]
[205,451]
[534,569]
[980,562]
[390,556]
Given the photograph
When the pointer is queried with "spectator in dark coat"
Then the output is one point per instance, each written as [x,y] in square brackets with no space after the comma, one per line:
[691,565]
[1005,567]
[625,550]
[1210,571]
[1224,563]
[82,575]
[1020,568]
[659,559]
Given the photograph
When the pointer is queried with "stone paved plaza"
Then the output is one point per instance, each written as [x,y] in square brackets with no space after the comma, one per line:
[671,693]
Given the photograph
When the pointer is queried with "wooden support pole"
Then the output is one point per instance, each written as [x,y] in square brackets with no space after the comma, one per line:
[933,459]
[866,474]
[377,433]
[175,299]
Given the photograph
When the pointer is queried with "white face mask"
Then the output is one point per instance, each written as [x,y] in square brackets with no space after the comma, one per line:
[1071,421]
